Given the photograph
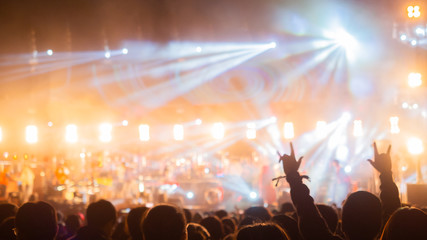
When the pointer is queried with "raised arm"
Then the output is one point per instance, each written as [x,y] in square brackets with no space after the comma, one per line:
[311,223]
[389,192]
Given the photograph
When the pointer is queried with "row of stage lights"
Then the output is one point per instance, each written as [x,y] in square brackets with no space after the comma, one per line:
[217,131]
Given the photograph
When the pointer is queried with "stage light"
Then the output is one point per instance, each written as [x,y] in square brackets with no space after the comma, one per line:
[125,51]
[272,45]
[253,195]
[107,54]
[415,146]
[405,105]
[414,42]
[288,130]
[414,80]
[198,49]
[251,131]
[346,116]
[218,131]
[125,123]
[273,119]
[198,121]
[105,130]
[347,169]
[357,128]
[144,132]
[49,52]
[321,129]
[394,125]
[31,133]
[403,37]
[341,153]
[82,155]
[1,134]
[71,135]
[50,124]
[190,195]
[420,31]
[178,132]
[5,155]
[415,106]
[414,11]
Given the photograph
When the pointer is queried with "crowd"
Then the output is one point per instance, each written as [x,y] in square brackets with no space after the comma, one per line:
[362,216]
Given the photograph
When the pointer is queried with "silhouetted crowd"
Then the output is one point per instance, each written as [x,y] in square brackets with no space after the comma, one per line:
[362,216]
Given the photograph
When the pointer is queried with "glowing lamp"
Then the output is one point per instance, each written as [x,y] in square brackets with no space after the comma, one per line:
[71,135]
[125,51]
[288,130]
[190,195]
[251,131]
[218,131]
[415,146]
[414,11]
[253,195]
[49,52]
[414,80]
[105,130]
[178,132]
[144,132]
[107,54]
[31,134]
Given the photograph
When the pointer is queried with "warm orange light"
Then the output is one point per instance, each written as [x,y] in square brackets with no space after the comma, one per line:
[414,11]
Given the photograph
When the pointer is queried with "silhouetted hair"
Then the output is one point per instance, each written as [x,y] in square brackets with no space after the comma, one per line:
[6,229]
[134,221]
[289,225]
[7,210]
[72,223]
[260,213]
[197,232]
[330,215]
[36,221]
[261,231]
[214,227]
[248,221]
[99,213]
[406,223]
[287,207]
[361,215]
[221,214]
[229,225]
[164,222]
[187,214]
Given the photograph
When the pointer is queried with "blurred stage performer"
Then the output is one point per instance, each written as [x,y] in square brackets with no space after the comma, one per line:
[266,188]
[4,181]
[27,182]
[341,185]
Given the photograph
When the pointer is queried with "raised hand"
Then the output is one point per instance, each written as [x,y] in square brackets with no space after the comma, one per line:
[382,161]
[290,164]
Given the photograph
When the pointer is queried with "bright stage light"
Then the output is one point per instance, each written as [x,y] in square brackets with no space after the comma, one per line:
[251,131]
[420,31]
[357,128]
[105,130]
[198,121]
[341,153]
[49,52]
[71,135]
[347,169]
[82,155]
[198,49]
[49,124]
[218,131]
[346,116]
[144,132]
[253,195]
[272,45]
[178,132]
[1,134]
[415,106]
[415,146]
[190,195]
[107,54]
[321,128]
[405,105]
[31,134]
[403,37]
[288,130]
[125,51]
[414,80]
[125,123]
[394,125]
[414,42]
[414,11]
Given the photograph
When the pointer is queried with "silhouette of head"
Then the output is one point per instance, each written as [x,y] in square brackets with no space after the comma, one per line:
[287,207]
[289,225]
[73,223]
[6,229]
[260,213]
[406,223]
[197,232]
[164,222]
[36,221]
[7,210]
[214,227]
[134,222]
[229,225]
[101,215]
[330,215]
[221,214]
[261,231]
[361,215]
